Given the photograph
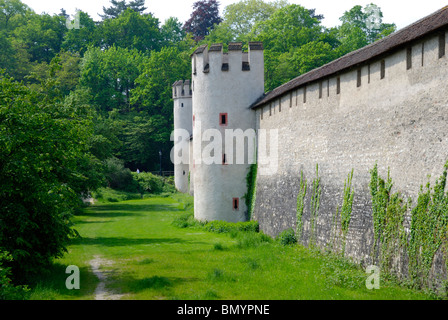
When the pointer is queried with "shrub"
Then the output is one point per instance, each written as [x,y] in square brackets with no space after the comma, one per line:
[111,195]
[8,291]
[251,239]
[227,227]
[118,177]
[148,182]
[287,237]
[186,220]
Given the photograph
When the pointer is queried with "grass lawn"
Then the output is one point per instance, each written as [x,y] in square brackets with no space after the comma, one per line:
[146,257]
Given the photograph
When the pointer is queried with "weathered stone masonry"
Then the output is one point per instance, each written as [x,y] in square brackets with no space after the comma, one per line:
[391,108]
[386,103]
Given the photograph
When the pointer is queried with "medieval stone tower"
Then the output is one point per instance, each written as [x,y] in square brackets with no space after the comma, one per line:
[224,85]
[182,120]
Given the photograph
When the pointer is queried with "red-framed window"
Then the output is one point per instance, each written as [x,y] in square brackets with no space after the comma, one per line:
[236,204]
[223,119]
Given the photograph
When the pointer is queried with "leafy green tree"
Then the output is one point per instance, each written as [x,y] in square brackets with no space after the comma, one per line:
[362,26]
[42,35]
[110,76]
[288,65]
[172,32]
[143,137]
[131,30]
[153,91]
[10,9]
[239,18]
[44,169]
[79,40]
[15,58]
[289,27]
[118,7]
[8,291]
[6,51]
[295,42]
[65,70]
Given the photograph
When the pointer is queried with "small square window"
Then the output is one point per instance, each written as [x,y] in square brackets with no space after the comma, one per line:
[236,204]
[223,119]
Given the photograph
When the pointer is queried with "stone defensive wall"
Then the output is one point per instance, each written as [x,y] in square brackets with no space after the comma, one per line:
[386,103]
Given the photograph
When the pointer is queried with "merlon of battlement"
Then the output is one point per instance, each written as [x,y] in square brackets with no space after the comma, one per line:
[182,89]
[210,57]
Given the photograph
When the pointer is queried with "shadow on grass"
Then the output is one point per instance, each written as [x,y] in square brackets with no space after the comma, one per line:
[120,241]
[158,283]
[125,210]
[51,285]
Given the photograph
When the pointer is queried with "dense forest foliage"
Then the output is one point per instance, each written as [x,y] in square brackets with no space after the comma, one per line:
[77,101]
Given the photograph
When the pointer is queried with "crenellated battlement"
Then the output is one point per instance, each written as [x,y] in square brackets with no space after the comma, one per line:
[205,58]
[182,89]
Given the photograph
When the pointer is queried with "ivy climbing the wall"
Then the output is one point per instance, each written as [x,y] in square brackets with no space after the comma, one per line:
[314,206]
[346,209]
[389,210]
[341,220]
[251,183]
[428,230]
[300,206]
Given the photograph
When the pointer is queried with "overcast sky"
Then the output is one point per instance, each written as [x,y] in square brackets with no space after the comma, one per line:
[400,12]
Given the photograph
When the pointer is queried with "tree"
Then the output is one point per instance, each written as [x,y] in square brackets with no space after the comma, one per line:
[9,9]
[153,91]
[137,5]
[118,7]
[362,26]
[204,17]
[110,75]
[295,42]
[131,30]
[44,170]
[79,40]
[289,27]
[42,35]
[172,32]
[6,51]
[240,17]
[143,137]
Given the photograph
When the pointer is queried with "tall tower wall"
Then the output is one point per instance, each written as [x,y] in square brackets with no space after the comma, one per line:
[182,120]
[224,86]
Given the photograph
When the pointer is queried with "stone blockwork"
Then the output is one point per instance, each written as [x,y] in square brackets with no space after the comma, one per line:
[396,117]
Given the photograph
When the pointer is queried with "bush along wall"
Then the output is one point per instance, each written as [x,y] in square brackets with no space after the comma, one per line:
[405,250]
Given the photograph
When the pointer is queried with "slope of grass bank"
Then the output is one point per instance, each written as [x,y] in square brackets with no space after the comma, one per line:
[150,257]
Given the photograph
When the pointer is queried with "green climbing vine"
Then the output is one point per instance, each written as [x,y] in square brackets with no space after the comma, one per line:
[300,206]
[346,209]
[428,230]
[251,183]
[341,220]
[389,210]
[314,206]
